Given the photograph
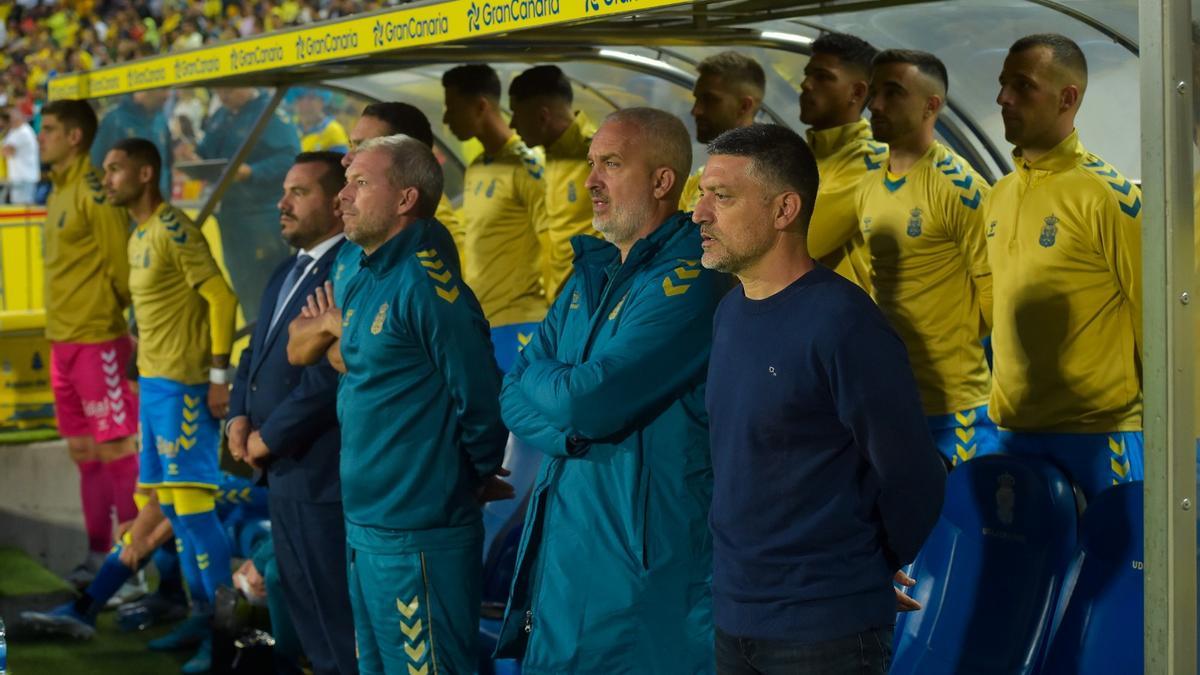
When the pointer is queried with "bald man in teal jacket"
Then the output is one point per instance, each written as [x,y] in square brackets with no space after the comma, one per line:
[614,563]
[615,559]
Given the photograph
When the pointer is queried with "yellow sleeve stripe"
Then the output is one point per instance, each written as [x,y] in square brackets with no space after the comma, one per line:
[445,287]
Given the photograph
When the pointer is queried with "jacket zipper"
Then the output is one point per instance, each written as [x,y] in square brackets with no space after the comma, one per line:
[538,567]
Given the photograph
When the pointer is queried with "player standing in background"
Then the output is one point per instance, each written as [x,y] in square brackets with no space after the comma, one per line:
[728,93]
[922,222]
[87,291]
[833,96]
[503,211]
[1065,244]
[186,314]
[540,99]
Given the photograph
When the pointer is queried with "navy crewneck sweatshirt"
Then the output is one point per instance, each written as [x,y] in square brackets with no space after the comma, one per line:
[826,479]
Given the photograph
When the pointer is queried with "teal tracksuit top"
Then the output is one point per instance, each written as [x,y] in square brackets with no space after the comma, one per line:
[270,159]
[615,558]
[418,404]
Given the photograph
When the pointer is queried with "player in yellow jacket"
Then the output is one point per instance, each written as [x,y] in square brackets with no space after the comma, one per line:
[504,191]
[1064,240]
[87,291]
[833,95]
[921,220]
[540,99]
[186,314]
[318,129]
[728,94]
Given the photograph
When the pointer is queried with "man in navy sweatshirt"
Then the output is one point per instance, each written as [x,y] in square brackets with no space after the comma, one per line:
[826,479]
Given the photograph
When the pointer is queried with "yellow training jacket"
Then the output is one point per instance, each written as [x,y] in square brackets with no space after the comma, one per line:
[1064,240]
[691,191]
[87,273]
[448,216]
[568,205]
[503,206]
[929,273]
[168,261]
[328,134]
[845,156]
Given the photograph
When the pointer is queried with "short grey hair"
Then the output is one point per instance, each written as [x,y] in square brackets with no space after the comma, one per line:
[411,164]
[665,138]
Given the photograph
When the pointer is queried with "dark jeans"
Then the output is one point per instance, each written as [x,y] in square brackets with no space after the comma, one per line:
[869,652]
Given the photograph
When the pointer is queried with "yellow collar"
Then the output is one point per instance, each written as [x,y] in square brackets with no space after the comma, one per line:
[577,137]
[828,141]
[78,167]
[1063,156]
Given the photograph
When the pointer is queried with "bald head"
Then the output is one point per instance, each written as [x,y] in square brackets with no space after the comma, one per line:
[662,137]
[1065,60]
[639,159]
[1041,89]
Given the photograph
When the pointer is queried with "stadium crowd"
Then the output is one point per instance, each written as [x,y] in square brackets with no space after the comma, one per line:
[40,39]
[743,385]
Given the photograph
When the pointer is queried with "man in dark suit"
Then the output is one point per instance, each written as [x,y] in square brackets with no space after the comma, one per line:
[284,418]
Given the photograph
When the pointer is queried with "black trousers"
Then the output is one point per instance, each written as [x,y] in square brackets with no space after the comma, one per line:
[866,653]
[310,550]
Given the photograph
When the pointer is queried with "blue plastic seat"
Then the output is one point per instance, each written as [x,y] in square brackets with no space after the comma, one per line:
[502,523]
[989,575]
[1098,626]
[503,520]
[523,461]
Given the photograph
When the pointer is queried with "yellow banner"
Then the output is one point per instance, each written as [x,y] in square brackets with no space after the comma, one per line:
[385,32]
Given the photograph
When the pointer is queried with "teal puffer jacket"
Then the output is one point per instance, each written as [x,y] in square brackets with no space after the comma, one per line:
[615,559]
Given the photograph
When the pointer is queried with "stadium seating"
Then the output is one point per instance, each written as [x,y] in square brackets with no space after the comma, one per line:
[989,575]
[1098,626]
[502,522]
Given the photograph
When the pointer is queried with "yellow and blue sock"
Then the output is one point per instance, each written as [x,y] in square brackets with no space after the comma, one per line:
[201,603]
[196,509]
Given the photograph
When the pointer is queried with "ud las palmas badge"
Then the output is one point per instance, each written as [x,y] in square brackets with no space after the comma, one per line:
[1049,231]
[914,223]
[377,324]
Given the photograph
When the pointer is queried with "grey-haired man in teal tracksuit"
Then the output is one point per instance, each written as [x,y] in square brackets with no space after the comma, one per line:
[418,404]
